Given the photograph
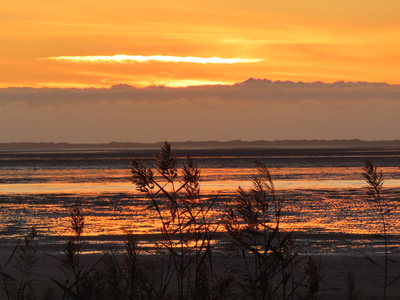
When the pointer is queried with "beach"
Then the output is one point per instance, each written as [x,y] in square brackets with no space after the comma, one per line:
[335,270]
[321,196]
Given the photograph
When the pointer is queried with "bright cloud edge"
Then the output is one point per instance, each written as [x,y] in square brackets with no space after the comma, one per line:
[122,58]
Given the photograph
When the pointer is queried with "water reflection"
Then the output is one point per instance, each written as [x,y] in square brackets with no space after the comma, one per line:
[317,200]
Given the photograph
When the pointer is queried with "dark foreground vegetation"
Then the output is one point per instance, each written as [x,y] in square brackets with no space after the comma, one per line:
[255,259]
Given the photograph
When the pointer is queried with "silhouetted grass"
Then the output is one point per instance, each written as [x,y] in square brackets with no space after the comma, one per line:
[19,283]
[186,228]
[313,273]
[253,224]
[81,279]
[182,262]
[374,179]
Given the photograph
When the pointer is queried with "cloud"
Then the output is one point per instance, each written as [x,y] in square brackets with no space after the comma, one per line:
[250,110]
[249,91]
[122,58]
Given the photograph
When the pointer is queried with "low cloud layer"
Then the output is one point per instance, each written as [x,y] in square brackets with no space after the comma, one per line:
[251,110]
[122,58]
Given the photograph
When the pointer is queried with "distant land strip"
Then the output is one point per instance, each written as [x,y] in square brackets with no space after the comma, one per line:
[201,144]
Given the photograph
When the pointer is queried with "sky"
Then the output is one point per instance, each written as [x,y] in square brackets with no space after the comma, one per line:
[148,71]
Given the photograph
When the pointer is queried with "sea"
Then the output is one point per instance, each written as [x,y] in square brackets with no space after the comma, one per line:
[325,200]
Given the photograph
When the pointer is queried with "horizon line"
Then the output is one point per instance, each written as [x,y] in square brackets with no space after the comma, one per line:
[247,81]
[238,141]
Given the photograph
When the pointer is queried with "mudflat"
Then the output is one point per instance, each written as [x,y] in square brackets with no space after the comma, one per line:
[344,276]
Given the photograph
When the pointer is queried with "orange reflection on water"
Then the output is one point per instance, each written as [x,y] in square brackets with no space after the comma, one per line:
[314,200]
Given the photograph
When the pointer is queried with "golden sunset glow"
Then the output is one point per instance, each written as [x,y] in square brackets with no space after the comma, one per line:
[199,70]
[214,149]
[210,41]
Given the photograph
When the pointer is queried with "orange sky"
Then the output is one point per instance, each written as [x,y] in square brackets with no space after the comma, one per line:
[279,40]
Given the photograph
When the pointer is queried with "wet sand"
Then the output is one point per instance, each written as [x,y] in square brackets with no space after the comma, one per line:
[335,269]
[334,285]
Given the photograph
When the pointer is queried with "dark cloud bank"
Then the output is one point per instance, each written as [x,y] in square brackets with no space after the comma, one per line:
[250,110]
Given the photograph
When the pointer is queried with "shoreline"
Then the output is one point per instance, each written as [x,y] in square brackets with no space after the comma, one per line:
[314,143]
[325,244]
[335,271]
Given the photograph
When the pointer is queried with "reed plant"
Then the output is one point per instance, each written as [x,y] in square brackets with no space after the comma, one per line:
[122,274]
[253,225]
[181,266]
[313,278]
[82,279]
[184,249]
[131,271]
[18,283]
[374,179]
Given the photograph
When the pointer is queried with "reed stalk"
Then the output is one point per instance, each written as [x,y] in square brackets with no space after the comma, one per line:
[374,179]
[186,231]
[253,225]
[19,285]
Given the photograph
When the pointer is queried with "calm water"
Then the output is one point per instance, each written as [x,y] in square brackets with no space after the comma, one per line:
[323,192]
